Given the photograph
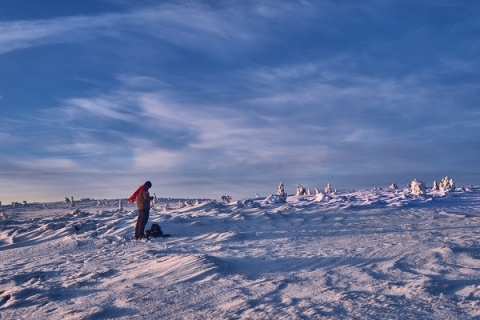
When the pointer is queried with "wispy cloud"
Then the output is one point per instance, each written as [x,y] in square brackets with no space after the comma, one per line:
[103,107]
[182,25]
[24,34]
[50,165]
[313,120]
[250,91]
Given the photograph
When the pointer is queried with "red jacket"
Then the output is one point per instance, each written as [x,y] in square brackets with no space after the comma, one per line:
[142,196]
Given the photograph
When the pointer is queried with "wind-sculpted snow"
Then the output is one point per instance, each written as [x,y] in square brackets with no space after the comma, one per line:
[369,254]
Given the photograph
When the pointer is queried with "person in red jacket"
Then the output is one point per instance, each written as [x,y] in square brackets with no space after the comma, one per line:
[143,199]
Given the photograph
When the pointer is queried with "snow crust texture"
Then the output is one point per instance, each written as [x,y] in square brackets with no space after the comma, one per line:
[368,254]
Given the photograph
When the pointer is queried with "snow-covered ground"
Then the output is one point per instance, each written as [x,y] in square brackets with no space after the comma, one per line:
[368,254]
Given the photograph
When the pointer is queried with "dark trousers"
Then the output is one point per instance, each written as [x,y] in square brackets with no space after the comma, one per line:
[141,223]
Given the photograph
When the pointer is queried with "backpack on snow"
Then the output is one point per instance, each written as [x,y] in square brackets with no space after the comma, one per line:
[156,231]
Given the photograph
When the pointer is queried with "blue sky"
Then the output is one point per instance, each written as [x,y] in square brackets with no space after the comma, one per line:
[206,98]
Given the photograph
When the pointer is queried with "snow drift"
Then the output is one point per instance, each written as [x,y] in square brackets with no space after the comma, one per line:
[370,254]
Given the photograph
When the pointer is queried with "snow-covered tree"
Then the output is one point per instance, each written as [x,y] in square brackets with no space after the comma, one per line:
[120,205]
[418,187]
[436,185]
[452,184]
[447,184]
[281,190]
[328,188]
[279,197]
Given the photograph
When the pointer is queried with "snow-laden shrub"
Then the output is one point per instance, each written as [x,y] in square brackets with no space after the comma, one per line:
[70,201]
[250,203]
[301,191]
[275,198]
[393,186]
[322,197]
[226,199]
[417,187]
[181,204]
[247,202]
[319,196]
[191,202]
